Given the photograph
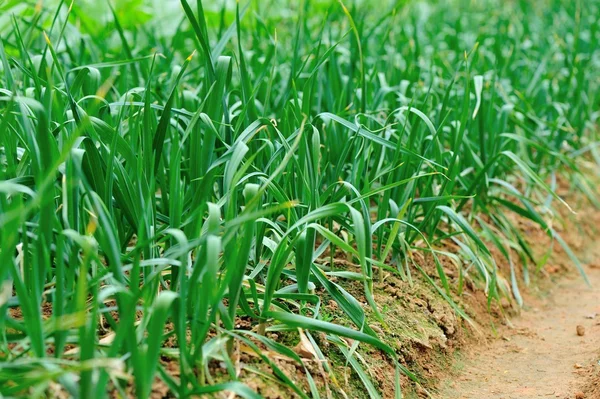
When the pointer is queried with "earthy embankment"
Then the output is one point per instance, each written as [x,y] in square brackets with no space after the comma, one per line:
[507,353]
[552,348]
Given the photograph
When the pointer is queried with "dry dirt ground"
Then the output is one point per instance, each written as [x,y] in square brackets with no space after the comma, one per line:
[552,350]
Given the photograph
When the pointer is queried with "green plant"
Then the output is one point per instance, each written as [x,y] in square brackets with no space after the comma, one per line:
[148,194]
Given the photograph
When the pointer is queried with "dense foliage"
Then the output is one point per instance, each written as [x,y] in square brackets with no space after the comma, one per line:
[168,170]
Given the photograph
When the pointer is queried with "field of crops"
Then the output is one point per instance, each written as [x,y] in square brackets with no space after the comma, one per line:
[180,180]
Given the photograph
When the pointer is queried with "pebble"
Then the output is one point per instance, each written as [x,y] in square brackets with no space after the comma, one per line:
[580,330]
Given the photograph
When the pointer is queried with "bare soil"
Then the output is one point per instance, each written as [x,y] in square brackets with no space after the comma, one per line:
[550,351]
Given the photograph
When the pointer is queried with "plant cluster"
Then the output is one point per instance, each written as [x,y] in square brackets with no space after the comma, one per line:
[167,172]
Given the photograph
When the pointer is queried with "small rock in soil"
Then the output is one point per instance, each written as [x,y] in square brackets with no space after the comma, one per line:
[553,269]
[333,304]
[580,330]
[579,395]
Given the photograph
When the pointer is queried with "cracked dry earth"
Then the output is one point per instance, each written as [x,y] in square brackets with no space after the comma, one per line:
[552,350]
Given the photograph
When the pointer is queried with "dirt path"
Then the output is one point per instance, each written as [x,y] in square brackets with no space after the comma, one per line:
[541,356]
